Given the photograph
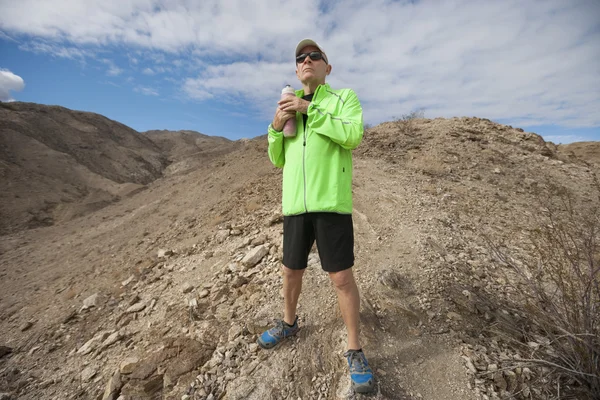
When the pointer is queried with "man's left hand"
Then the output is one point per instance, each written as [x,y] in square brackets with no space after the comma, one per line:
[292,103]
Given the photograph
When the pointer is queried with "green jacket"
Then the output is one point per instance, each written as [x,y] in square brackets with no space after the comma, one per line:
[317,162]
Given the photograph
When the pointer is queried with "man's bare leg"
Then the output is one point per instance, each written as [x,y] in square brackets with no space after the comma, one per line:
[349,302]
[292,286]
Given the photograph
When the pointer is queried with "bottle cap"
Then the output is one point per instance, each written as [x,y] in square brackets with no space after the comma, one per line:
[288,90]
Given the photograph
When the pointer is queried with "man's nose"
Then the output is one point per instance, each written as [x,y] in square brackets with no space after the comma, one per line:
[307,59]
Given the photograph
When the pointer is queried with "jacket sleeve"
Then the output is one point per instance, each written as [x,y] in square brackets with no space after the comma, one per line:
[345,127]
[276,154]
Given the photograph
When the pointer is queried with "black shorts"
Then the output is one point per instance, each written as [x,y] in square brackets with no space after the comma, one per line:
[333,232]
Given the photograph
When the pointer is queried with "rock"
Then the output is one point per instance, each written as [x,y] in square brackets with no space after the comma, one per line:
[234,332]
[136,307]
[134,299]
[88,373]
[260,239]
[26,326]
[128,365]
[90,302]
[87,347]
[469,364]
[511,378]
[232,267]
[113,338]
[128,280]
[499,381]
[69,316]
[193,303]
[454,316]
[254,256]
[221,235]
[276,218]
[46,383]
[203,293]
[187,287]
[238,281]
[149,388]
[5,396]
[249,368]
[113,387]
[162,253]
[4,350]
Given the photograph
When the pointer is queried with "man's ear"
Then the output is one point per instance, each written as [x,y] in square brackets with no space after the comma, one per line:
[328,70]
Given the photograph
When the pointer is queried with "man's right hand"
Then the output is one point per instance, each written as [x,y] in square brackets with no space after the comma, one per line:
[280,118]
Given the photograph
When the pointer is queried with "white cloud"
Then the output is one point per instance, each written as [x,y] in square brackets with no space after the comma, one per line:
[114,71]
[535,62]
[145,91]
[148,71]
[57,50]
[9,82]
[4,36]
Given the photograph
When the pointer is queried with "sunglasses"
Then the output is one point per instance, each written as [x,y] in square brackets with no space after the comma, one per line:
[314,55]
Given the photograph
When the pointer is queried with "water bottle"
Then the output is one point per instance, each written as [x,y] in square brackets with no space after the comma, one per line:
[289,129]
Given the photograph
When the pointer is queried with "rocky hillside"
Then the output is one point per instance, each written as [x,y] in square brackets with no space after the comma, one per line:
[162,294]
[57,164]
[187,150]
[588,151]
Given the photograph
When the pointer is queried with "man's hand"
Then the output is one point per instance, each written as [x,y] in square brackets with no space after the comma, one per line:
[280,118]
[293,103]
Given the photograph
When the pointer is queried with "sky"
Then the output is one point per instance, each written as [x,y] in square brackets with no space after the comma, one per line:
[218,67]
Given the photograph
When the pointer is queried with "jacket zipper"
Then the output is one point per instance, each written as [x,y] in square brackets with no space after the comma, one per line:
[304,152]
[303,166]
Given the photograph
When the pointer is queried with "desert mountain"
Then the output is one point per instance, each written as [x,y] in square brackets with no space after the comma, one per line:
[57,164]
[162,293]
[185,150]
[588,151]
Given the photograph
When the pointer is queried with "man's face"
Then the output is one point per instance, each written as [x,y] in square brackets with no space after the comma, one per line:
[312,71]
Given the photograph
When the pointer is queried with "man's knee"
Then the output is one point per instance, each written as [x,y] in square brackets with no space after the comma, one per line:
[342,279]
[292,273]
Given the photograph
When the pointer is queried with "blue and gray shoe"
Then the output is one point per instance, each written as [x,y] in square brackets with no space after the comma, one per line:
[361,375]
[275,335]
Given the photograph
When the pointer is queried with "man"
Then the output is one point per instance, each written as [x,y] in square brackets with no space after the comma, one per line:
[317,197]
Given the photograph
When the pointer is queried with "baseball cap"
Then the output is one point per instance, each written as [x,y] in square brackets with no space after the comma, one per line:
[309,42]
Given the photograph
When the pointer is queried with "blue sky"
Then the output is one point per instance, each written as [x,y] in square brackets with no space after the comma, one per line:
[217,67]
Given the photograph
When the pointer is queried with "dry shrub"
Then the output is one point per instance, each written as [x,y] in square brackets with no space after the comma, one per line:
[556,294]
[406,123]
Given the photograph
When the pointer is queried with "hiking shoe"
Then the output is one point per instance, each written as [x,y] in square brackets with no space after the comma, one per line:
[275,335]
[361,376]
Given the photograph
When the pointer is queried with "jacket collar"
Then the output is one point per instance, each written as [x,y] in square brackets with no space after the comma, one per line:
[300,93]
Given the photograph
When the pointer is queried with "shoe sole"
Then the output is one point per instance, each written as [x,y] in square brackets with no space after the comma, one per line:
[364,388]
[266,346]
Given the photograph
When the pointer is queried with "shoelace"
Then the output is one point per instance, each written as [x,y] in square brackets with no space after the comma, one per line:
[356,361]
[279,328]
